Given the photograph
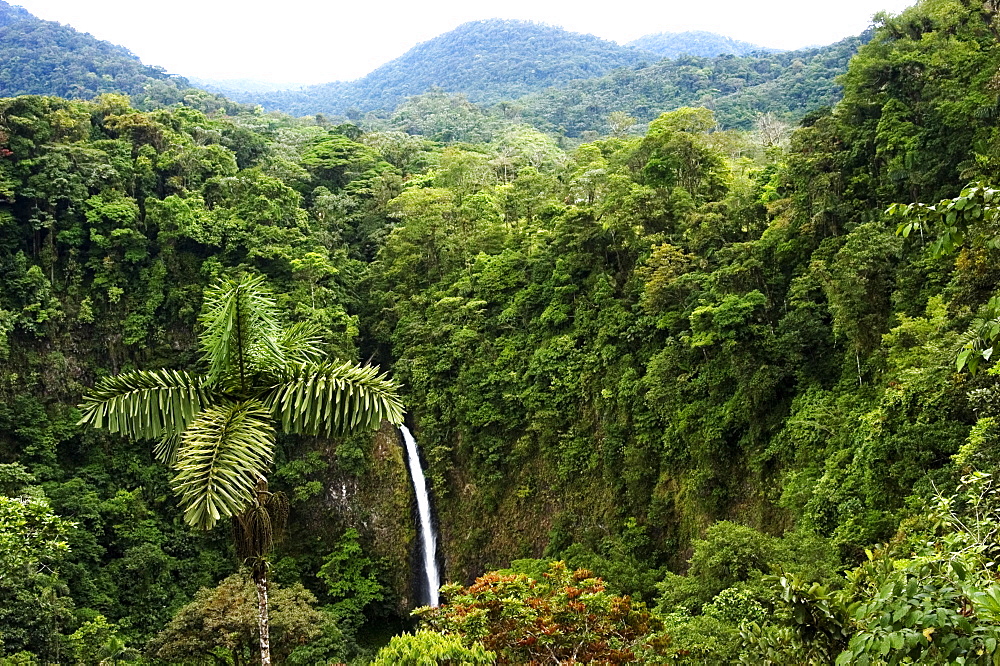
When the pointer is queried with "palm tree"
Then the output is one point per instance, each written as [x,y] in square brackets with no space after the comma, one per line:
[115,651]
[217,430]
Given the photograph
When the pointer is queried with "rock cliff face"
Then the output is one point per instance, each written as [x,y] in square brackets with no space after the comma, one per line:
[377,503]
[385,502]
[534,513]
[482,530]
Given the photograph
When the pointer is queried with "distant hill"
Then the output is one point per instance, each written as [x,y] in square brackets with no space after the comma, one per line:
[788,84]
[486,60]
[47,58]
[696,43]
[562,81]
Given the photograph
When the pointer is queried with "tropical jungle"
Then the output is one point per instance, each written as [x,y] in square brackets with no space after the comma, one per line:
[701,369]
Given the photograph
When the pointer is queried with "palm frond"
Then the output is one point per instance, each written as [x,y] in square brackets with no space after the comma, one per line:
[330,398]
[145,403]
[240,331]
[301,343]
[222,455]
[165,450]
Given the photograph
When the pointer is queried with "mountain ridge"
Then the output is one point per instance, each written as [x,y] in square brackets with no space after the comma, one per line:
[488,60]
[47,57]
[566,82]
[39,57]
[738,88]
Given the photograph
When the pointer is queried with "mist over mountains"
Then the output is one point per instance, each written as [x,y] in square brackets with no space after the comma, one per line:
[486,60]
[560,80]
[696,43]
[566,82]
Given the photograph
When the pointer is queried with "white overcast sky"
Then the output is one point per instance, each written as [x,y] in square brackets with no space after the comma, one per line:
[311,41]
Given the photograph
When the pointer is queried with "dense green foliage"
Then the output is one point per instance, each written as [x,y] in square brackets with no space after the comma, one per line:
[568,84]
[695,43]
[429,648]
[563,82]
[655,335]
[114,221]
[781,86]
[929,596]
[44,57]
[222,622]
[32,535]
[737,88]
[707,366]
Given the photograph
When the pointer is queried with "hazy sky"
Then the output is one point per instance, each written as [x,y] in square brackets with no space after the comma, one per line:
[310,41]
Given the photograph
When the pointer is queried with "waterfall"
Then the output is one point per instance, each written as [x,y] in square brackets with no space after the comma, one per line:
[427,536]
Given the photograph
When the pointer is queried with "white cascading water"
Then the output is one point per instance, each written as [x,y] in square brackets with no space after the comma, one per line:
[428,537]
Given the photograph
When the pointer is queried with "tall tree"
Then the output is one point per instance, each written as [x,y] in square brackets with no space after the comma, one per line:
[217,429]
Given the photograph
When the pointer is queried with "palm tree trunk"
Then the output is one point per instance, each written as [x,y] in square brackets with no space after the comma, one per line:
[262,618]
